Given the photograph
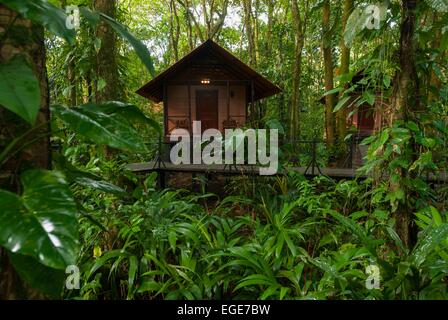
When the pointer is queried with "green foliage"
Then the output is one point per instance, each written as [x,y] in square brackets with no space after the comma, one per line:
[439,5]
[167,246]
[44,13]
[42,221]
[46,280]
[20,89]
[104,127]
[140,49]
[281,238]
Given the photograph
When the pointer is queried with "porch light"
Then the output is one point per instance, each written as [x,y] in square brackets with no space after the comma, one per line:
[205,81]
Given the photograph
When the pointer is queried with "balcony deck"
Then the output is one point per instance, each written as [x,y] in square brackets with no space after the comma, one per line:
[250,170]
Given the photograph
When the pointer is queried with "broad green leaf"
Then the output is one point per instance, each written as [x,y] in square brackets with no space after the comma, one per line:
[341,104]
[101,128]
[365,239]
[45,14]
[101,84]
[140,49]
[86,180]
[133,266]
[426,245]
[369,97]
[42,222]
[424,161]
[149,285]
[101,261]
[387,81]
[439,5]
[92,17]
[128,112]
[413,126]
[47,280]
[355,24]
[343,79]
[396,238]
[276,124]
[438,221]
[19,89]
[256,280]
[357,21]
[333,91]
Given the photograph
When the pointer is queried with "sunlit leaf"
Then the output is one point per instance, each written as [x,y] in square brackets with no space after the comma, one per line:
[44,13]
[47,280]
[101,128]
[19,89]
[41,223]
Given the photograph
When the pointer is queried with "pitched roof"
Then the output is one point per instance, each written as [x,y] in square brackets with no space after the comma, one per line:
[229,64]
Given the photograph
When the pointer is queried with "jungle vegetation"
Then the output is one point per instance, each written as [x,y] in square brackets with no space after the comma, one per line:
[70,122]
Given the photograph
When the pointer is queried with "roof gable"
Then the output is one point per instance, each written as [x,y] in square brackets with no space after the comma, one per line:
[209,60]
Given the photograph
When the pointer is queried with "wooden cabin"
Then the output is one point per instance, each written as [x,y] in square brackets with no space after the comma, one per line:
[209,85]
[365,119]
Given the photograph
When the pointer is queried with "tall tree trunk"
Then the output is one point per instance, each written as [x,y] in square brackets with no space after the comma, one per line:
[71,75]
[434,81]
[269,30]
[248,25]
[107,66]
[405,83]
[298,48]
[192,20]
[330,100]
[191,43]
[72,82]
[279,58]
[30,44]
[404,101]
[256,31]
[174,29]
[341,115]
[210,10]
[250,34]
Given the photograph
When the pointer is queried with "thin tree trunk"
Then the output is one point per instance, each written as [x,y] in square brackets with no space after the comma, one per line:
[297,75]
[404,101]
[187,6]
[434,81]
[249,30]
[256,31]
[72,82]
[270,26]
[247,4]
[341,115]
[188,20]
[30,45]
[330,100]
[107,65]
[71,76]
[174,29]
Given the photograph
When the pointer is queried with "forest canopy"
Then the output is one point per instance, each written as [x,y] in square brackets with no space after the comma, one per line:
[92,208]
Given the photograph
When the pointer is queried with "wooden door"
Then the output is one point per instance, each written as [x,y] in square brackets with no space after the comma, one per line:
[207,109]
[366,119]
